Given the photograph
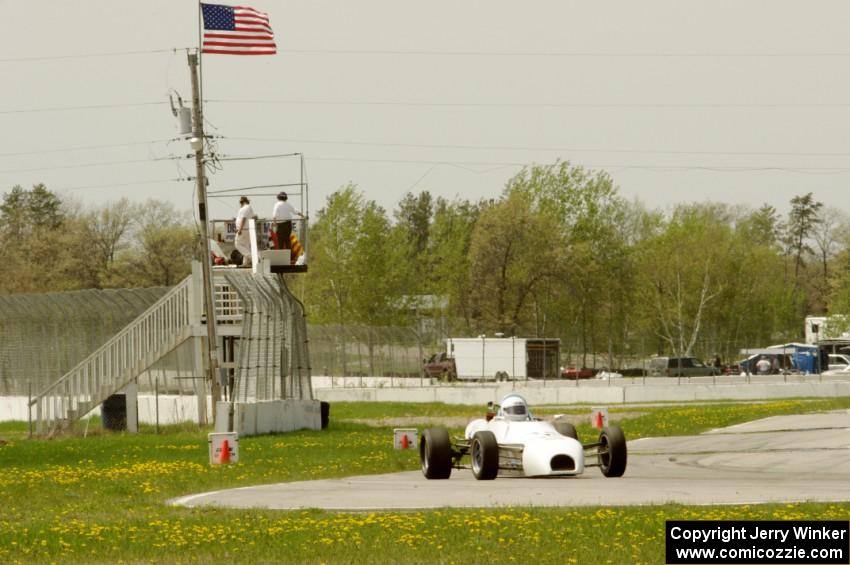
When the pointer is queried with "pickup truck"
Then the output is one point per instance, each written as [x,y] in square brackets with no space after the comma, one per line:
[440,366]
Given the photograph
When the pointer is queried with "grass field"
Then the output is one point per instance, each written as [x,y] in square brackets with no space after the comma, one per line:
[100,499]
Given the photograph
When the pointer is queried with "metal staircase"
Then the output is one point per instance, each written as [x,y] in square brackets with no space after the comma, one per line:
[256,311]
[156,332]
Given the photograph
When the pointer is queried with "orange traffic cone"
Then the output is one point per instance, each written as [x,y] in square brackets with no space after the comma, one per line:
[225,452]
[405,443]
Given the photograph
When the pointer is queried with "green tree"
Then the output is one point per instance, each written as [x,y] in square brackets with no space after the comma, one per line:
[411,243]
[678,275]
[590,302]
[333,254]
[758,305]
[763,227]
[414,216]
[352,277]
[33,232]
[514,249]
[802,221]
[27,212]
[449,257]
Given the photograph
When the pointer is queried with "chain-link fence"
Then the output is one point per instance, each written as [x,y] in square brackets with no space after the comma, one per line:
[376,351]
[398,352]
[42,336]
[634,355]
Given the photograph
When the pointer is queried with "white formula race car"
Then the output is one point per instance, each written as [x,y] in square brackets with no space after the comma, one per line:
[513,443]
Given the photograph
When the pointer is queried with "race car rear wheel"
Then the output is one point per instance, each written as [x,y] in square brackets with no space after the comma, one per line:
[565,429]
[484,453]
[435,453]
[612,452]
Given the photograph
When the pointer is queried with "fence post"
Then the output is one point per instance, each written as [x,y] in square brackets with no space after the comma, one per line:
[29,409]
[156,400]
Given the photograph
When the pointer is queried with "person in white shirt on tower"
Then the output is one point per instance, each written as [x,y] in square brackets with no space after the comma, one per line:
[282,215]
[243,237]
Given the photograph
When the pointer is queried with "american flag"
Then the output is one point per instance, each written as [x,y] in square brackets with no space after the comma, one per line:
[236,30]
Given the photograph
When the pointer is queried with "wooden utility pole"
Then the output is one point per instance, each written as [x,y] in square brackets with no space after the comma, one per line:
[197,143]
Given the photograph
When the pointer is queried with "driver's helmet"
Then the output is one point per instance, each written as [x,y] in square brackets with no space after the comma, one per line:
[514,407]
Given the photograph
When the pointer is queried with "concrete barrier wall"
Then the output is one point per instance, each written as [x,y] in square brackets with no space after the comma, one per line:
[570,394]
[758,391]
[174,409]
[368,382]
[13,408]
[269,416]
[479,394]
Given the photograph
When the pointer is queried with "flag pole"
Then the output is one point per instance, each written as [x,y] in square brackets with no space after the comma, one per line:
[200,54]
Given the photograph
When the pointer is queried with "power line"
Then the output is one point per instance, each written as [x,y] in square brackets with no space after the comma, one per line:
[594,54]
[86,165]
[118,184]
[256,187]
[723,168]
[256,157]
[87,107]
[88,55]
[429,53]
[543,148]
[83,148]
[640,105]
[712,168]
[602,105]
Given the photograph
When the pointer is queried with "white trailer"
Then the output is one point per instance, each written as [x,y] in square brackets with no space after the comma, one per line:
[499,358]
[824,328]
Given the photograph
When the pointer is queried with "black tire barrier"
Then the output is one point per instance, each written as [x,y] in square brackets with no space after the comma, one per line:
[113,413]
[326,414]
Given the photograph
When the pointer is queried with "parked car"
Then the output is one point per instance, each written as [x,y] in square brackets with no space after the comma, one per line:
[680,367]
[838,361]
[440,366]
[574,374]
[845,372]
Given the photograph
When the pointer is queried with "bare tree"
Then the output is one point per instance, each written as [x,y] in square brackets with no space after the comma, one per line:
[826,235]
[680,324]
[108,227]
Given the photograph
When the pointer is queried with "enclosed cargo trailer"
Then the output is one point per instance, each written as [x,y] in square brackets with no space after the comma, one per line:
[503,358]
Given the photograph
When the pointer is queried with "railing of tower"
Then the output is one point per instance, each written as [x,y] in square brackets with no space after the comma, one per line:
[282,244]
[285,257]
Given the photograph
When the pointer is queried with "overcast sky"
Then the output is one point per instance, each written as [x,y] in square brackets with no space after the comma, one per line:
[732,101]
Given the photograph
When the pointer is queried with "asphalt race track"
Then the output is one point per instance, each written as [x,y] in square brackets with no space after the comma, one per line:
[777,459]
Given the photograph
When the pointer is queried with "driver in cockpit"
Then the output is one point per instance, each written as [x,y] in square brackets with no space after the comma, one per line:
[514,408]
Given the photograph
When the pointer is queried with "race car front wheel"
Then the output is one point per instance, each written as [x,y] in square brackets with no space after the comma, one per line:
[612,452]
[484,453]
[435,453]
